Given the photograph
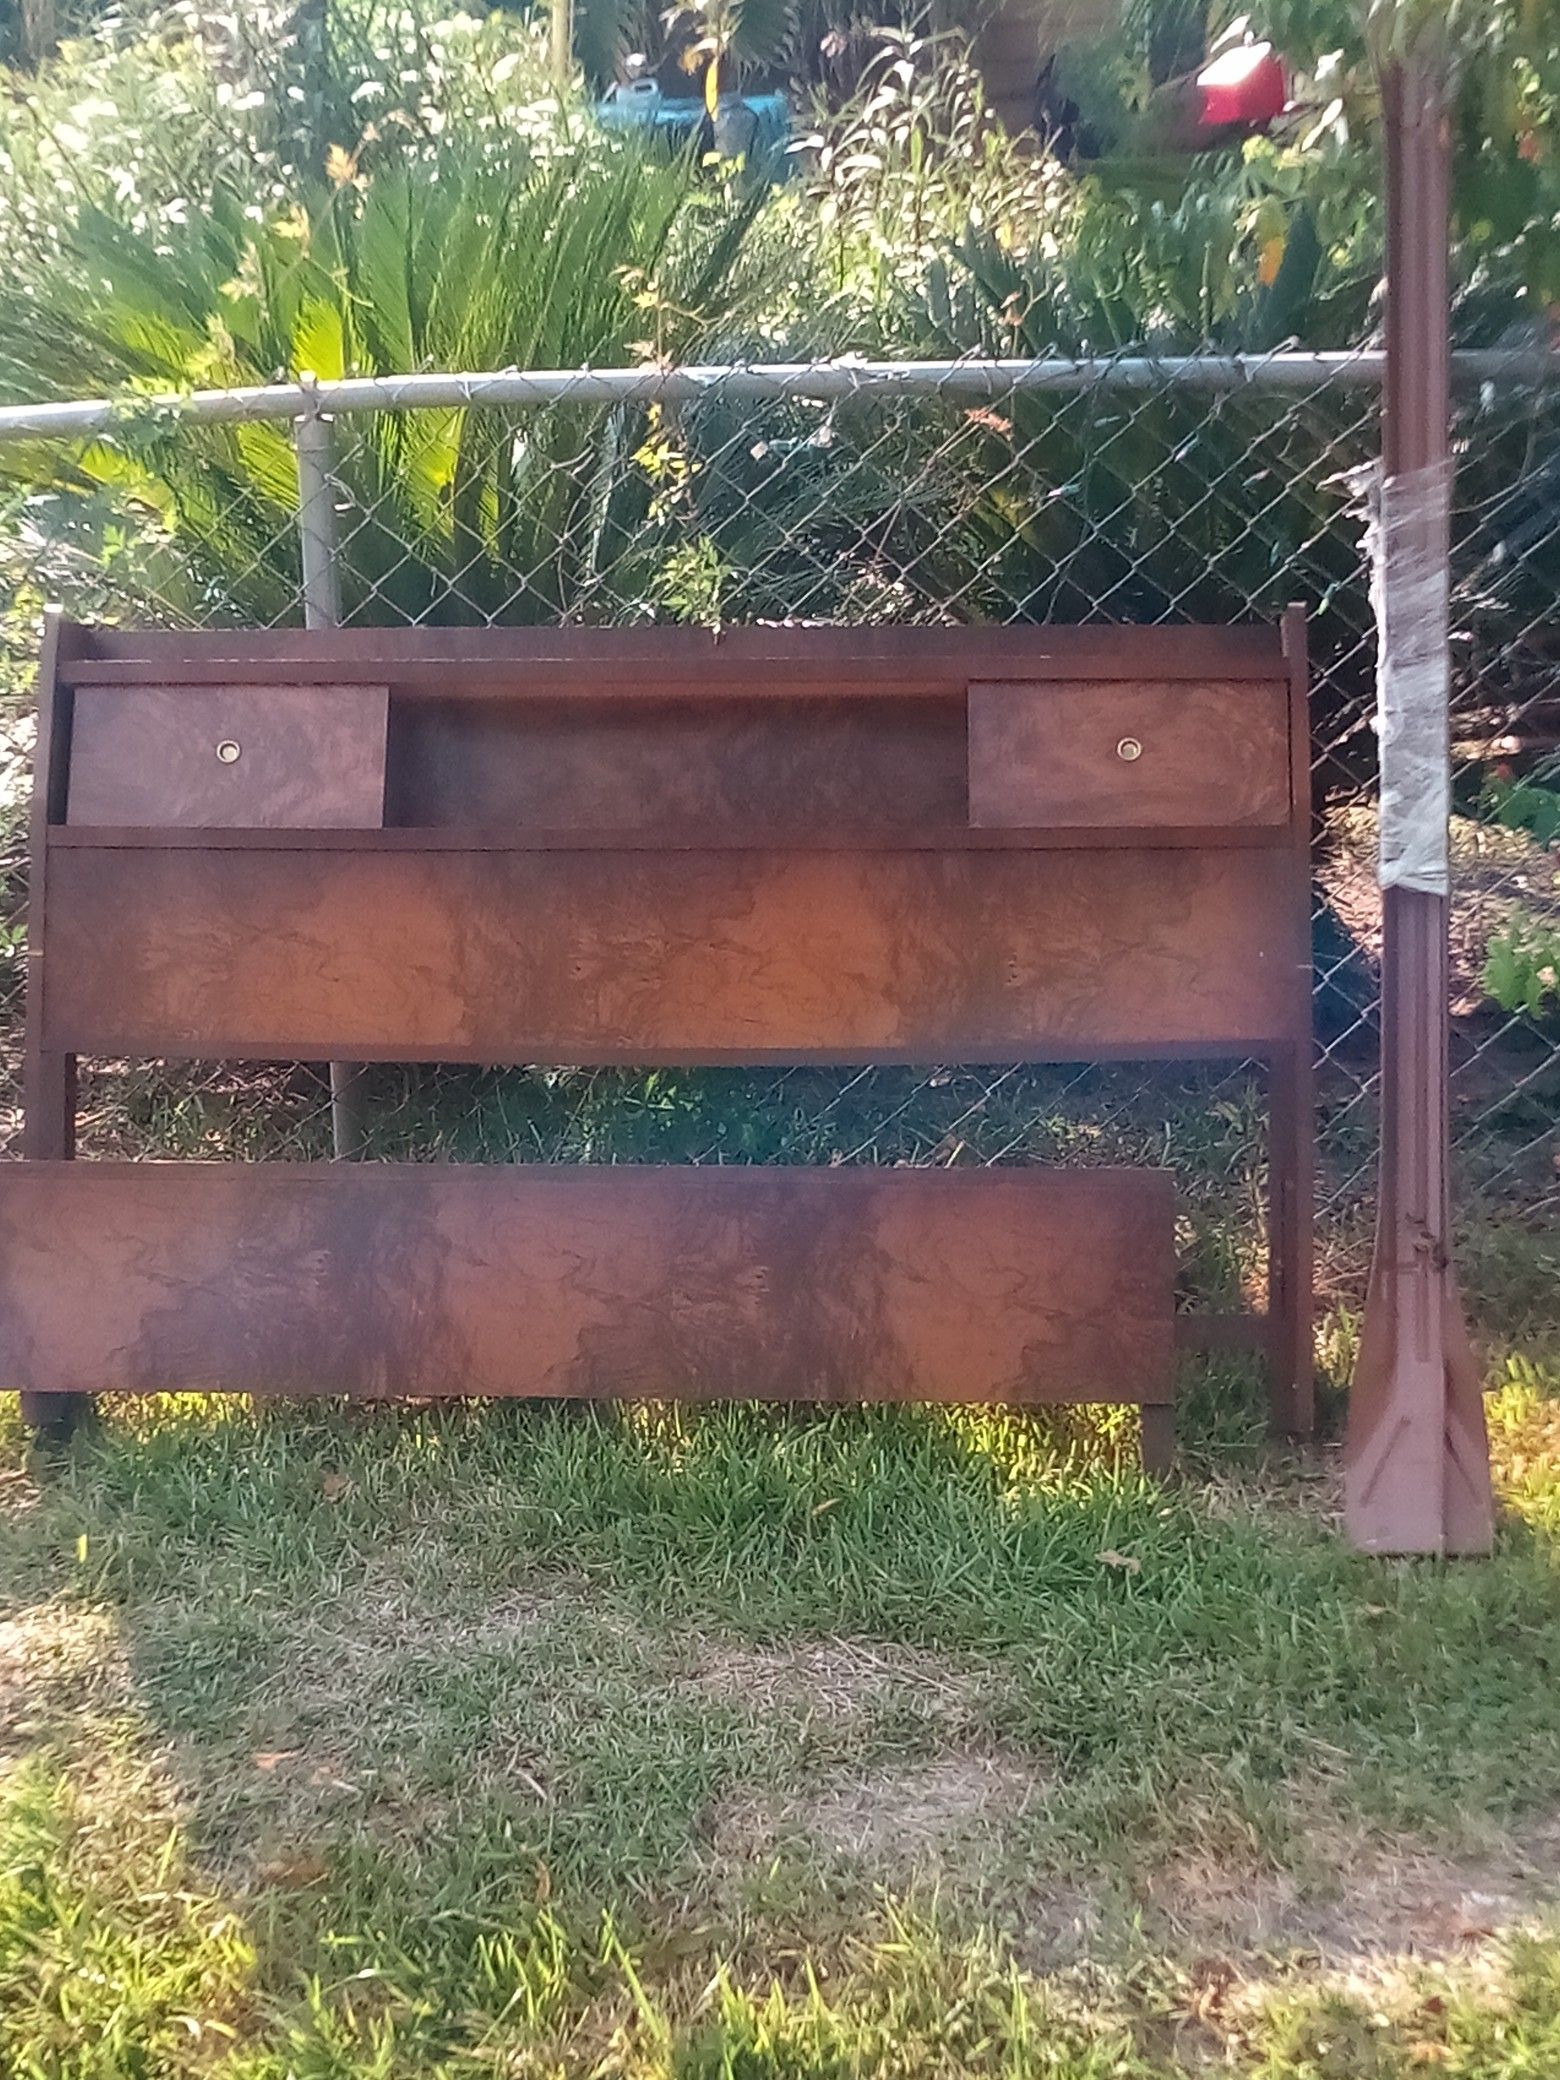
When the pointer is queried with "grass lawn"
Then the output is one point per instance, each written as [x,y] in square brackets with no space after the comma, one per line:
[366,1743]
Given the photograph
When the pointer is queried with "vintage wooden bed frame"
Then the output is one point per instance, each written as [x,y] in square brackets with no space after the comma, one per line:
[775,845]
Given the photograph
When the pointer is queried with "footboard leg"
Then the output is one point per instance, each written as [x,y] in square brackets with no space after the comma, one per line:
[1291,1212]
[53,1418]
[48,1076]
[1158,1438]
[49,1135]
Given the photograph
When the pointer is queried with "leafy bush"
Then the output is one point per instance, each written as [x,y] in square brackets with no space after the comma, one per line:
[1522,971]
[471,218]
[484,255]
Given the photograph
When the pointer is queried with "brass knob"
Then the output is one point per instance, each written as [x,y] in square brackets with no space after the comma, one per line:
[1130,749]
[229,752]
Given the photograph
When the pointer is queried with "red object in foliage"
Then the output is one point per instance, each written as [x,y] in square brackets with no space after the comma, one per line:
[1245,86]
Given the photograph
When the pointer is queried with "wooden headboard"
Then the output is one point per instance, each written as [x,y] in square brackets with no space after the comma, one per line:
[661,845]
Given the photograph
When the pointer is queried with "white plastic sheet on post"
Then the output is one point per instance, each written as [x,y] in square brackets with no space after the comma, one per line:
[1406,540]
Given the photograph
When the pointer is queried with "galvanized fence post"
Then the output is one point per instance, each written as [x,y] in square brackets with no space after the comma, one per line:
[319,552]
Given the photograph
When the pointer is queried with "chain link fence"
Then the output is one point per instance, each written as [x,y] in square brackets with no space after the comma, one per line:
[1207,491]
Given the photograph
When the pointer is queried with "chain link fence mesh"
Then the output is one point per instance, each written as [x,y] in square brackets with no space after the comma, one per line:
[1116,494]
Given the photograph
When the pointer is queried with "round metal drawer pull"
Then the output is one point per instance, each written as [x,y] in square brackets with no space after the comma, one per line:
[1129,748]
[229,752]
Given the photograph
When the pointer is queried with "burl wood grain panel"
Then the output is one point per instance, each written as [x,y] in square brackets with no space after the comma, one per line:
[599,956]
[587,764]
[1128,756]
[419,1279]
[229,757]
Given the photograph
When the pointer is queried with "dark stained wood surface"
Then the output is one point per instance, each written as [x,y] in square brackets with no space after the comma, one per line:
[1292,1116]
[48,1079]
[602,956]
[229,757]
[1128,755]
[670,765]
[420,1279]
[682,837]
[660,845]
[760,662]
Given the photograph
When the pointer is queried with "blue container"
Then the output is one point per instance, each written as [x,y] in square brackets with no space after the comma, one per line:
[756,127]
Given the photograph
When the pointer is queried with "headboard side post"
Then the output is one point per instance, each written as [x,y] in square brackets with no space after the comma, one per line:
[48,1078]
[1291,1157]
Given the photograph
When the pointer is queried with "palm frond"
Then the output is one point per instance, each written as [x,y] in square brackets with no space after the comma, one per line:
[487,255]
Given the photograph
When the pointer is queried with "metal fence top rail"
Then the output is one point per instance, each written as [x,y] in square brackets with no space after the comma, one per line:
[820,381]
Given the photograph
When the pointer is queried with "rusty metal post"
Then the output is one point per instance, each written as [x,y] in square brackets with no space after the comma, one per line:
[1418,1475]
[322,609]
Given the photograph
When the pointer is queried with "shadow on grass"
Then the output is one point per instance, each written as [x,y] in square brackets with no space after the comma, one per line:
[427,1693]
